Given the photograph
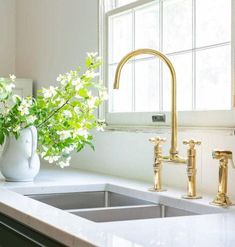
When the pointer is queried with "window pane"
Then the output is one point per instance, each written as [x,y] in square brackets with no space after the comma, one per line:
[121,100]
[183,68]
[213,79]
[171,27]
[177,25]
[120,36]
[147,27]
[147,85]
[213,22]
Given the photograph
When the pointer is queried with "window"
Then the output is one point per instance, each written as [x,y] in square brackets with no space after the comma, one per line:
[194,34]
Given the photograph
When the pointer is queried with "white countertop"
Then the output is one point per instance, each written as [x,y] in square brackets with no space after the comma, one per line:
[217,229]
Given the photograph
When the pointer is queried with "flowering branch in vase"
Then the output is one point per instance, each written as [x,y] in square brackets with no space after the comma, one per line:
[64,115]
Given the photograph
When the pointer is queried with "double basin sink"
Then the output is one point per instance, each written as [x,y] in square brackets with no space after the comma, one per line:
[106,206]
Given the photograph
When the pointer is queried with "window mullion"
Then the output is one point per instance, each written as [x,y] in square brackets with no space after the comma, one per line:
[108,61]
[194,55]
[161,49]
[115,3]
[133,63]
[232,56]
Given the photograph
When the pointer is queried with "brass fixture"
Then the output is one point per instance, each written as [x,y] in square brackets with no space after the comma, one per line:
[191,170]
[157,165]
[223,156]
[173,153]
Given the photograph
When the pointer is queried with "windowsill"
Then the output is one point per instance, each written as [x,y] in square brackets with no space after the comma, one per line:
[167,129]
[208,120]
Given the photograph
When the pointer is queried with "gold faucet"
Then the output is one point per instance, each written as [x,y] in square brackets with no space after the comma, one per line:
[191,170]
[173,153]
[157,165]
[223,156]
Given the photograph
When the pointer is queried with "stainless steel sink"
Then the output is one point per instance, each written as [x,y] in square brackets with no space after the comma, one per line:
[130,213]
[105,206]
[94,199]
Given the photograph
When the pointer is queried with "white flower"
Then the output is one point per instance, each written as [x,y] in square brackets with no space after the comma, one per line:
[6,111]
[68,150]
[63,164]
[78,87]
[31,119]
[104,95]
[49,93]
[81,132]
[62,101]
[12,77]
[92,54]
[91,74]
[59,78]
[9,87]
[67,114]
[64,134]
[76,109]
[100,128]
[51,159]
[101,125]
[16,129]
[91,102]
[76,82]
[23,108]
[69,76]
[43,154]
[28,101]
[77,96]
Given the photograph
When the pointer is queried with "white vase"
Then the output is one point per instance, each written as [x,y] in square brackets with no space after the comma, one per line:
[19,161]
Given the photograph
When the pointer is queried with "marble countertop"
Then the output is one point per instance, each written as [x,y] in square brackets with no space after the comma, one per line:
[216,229]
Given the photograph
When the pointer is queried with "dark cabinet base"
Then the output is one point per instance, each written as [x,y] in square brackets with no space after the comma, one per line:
[15,234]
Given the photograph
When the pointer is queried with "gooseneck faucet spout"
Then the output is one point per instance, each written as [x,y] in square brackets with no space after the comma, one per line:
[173,150]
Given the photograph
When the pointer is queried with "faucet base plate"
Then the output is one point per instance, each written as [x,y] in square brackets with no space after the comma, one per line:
[224,205]
[191,197]
[156,190]
[222,200]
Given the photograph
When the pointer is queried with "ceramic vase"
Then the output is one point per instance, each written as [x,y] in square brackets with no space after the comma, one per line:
[19,161]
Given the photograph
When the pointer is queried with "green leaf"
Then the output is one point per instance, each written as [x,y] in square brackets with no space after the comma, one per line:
[2,138]
[83,93]
[92,146]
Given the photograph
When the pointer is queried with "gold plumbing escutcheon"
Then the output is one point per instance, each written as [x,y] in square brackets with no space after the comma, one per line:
[224,156]
[191,170]
[157,165]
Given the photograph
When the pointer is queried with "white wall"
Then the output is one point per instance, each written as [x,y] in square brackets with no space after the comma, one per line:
[53,37]
[7,37]
[129,154]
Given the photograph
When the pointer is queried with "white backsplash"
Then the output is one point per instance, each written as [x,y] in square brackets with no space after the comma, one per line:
[130,155]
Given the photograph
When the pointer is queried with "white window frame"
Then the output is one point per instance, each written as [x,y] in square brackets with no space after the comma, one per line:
[210,118]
